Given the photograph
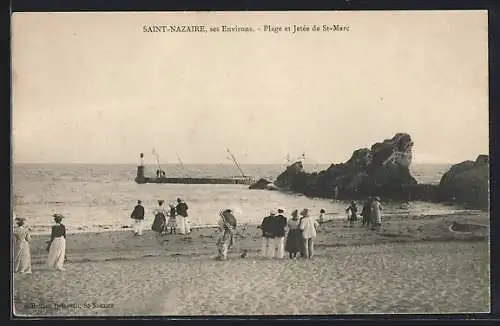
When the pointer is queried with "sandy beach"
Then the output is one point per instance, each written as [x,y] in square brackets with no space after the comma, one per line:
[415,264]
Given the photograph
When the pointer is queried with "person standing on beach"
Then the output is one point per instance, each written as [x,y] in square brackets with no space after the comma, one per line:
[172,222]
[138,217]
[226,227]
[308,227]
[294,238]
[376,214]
[352,213]
[365,213]
[321,217]
[184,223]
[160,220]
[57,244]
[267,235]
[279,233]
[22,254]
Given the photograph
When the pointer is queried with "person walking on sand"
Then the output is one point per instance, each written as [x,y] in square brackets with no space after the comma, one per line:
[352,211]
[160,220]
[172,222]
[57,244]
[308,226]
[226,227]
[376,214]
[184,223]
[22,254]
[280,223]
[267,235]
[294,238]
[138,217]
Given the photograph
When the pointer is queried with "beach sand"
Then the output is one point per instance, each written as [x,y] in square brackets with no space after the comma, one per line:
[413,265]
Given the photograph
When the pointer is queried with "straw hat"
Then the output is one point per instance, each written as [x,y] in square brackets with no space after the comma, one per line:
[58,217]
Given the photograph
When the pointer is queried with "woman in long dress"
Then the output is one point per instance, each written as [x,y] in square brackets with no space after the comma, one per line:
[226,228]
[293,243]
[22,255]
[57,244]
[160,221]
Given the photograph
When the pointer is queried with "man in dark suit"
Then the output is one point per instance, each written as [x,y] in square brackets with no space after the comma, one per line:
[138,217]
[182,210]
[267,234]
[279,233]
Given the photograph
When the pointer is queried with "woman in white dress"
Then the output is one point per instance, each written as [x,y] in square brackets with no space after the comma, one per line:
[308,226]
[22,255]
[57,244]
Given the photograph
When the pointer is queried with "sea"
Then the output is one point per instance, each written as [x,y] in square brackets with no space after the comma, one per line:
[96,198]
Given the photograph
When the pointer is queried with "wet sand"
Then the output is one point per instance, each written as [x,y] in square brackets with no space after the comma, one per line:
[413,265]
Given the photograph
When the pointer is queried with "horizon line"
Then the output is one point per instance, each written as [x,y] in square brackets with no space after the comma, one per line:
[206,163]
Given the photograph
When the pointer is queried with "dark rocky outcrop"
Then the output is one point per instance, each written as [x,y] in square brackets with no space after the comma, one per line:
[260,184]
[382,170]
[467,183]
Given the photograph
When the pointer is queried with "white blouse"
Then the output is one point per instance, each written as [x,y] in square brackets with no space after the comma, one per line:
[308,226]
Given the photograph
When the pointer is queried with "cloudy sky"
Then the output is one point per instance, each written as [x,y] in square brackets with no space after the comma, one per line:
[94,88]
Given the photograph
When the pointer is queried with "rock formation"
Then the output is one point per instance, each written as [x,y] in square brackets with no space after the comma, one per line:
[381,170]
[467,183]
[260,184]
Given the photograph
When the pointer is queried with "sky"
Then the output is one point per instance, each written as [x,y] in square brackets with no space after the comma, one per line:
[95,88]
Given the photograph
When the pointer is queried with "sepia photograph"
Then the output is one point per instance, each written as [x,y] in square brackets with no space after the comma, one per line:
[249,163]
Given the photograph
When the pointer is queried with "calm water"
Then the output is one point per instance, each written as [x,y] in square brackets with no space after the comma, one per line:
[94,197]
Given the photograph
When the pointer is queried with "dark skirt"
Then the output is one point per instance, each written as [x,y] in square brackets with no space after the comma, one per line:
[294,241]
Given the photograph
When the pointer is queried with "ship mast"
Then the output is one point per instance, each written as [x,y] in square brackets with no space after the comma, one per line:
[235,162]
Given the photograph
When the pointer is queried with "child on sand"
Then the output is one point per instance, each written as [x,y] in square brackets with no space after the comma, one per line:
[172,221]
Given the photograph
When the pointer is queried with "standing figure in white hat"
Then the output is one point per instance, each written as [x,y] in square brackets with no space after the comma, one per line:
[22,255]
[280,226]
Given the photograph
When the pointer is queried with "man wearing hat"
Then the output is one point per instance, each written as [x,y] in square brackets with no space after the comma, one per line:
[138,217]
[267,234]
[279,233]
[182,212]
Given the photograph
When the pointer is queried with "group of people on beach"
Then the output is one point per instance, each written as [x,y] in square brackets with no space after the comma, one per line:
[178,218]
[295,235]
[56,246]
[299,232]
[279,234]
